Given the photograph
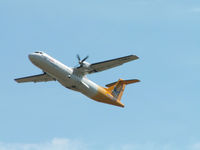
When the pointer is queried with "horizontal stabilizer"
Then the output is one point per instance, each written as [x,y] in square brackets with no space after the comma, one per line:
[124,82]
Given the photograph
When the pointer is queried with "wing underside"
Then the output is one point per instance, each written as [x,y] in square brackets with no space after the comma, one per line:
[36,78]
[101,66]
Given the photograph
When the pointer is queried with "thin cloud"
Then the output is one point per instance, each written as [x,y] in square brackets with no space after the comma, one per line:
[156,146]
[67,144]
[55,144]
[196,146]
[197,10]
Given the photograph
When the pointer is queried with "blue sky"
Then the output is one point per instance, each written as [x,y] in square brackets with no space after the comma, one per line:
[161,112]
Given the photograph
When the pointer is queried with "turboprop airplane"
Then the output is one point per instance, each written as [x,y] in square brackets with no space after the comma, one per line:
[75,78]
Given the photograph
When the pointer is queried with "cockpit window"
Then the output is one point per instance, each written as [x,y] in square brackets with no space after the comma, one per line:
[38,52]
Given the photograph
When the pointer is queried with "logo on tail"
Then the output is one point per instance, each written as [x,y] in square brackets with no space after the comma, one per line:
[117,88]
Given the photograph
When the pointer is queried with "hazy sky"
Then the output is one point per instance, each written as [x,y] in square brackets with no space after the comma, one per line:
[161,112]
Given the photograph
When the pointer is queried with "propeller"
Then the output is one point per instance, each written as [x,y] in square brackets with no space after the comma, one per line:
[81,61]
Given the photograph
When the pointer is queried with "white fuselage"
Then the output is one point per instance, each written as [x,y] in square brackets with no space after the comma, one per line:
[67,76]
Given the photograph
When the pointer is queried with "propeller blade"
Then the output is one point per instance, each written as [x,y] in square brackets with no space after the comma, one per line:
[78,57]
[81,61]
[84,59]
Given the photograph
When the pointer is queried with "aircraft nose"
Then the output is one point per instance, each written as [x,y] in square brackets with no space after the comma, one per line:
[31,56]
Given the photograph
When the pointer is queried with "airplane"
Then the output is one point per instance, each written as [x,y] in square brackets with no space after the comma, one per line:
[75,78]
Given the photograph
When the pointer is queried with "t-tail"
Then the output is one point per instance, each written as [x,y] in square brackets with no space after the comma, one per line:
[117,89]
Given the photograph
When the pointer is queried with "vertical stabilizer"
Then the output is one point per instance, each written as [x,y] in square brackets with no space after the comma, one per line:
[117,88]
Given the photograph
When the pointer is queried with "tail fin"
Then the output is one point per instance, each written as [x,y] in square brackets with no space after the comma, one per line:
[117,88]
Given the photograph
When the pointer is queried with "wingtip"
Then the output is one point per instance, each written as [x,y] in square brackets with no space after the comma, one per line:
[135,57]
[16,80]
[138,80]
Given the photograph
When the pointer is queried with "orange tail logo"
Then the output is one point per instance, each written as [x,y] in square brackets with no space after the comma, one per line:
[117,88]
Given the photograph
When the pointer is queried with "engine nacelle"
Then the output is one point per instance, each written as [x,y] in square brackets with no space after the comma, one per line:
[86,64]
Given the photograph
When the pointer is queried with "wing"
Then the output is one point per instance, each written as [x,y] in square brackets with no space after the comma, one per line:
[101,66]
[36,78]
